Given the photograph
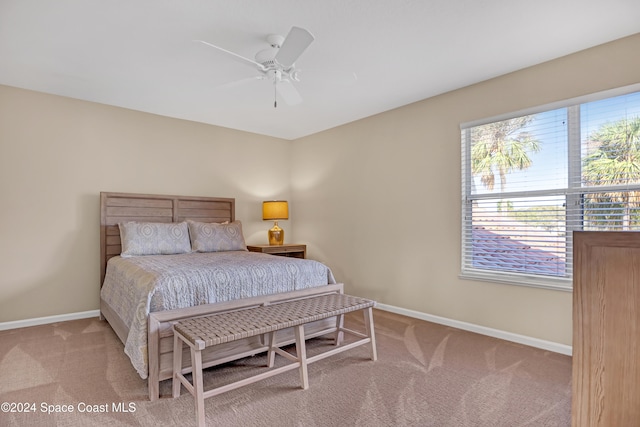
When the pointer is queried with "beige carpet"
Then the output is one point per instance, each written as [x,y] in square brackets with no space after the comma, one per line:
[426,375]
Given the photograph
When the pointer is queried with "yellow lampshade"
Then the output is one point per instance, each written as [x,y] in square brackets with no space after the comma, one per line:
[275,210]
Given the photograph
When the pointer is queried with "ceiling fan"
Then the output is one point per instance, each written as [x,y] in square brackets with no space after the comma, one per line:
[277,63]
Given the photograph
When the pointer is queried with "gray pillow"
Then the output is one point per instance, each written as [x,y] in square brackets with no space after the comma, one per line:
[214,237]
[154,238]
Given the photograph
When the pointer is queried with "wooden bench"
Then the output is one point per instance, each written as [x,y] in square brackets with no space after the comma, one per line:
[201,332]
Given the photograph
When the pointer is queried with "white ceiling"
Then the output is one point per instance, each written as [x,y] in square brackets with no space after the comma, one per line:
[368,56]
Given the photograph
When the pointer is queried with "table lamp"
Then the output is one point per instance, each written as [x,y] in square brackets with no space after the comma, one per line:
[275,210]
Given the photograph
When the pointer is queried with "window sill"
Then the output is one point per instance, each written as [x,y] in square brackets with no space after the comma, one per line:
[556,284]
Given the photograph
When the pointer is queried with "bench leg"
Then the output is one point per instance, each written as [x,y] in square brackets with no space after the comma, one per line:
[177,364]
[368,323]
[271,354]
[339,325]
[301,351]
[198,387]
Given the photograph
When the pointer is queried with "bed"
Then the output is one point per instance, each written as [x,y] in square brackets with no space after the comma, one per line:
[145,288]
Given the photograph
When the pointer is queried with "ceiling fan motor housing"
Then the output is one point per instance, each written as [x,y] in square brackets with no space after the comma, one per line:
[266,58]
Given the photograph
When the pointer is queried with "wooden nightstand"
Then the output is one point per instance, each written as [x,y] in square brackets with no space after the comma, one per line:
[288,249]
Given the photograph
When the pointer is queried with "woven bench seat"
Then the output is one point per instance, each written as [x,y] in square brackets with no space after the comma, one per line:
[201,332]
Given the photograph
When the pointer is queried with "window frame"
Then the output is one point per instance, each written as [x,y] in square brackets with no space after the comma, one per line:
[572,192]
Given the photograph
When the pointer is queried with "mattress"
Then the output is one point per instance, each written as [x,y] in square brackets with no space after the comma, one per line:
[134,287]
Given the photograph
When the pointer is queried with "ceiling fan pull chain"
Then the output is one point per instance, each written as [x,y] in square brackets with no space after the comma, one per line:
[275,95]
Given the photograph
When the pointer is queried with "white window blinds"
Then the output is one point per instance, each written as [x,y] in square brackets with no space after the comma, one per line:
[529,181]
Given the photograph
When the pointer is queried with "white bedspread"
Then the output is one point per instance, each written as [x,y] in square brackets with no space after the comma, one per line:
[136,286]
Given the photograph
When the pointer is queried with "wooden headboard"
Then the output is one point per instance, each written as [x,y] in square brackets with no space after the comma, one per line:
[120,207]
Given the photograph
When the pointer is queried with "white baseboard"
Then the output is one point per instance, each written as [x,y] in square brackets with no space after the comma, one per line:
[49,319]
[495,333]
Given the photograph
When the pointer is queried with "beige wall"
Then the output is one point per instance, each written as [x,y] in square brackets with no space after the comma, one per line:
[365,196]
[380,197]
[57,154]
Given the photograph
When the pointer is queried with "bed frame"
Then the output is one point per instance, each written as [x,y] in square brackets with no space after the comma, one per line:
[119,207]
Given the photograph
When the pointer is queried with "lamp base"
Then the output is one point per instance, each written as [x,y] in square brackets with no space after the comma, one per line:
[276,235]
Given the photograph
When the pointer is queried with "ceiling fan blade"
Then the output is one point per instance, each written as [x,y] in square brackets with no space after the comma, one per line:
[296,42]
[235,83]
[288,92]
[234,55]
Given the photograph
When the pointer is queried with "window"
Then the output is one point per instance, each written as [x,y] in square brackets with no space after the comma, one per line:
[529,180]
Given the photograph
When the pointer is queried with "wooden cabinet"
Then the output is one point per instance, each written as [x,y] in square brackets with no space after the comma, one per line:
[290,250]
[606,329]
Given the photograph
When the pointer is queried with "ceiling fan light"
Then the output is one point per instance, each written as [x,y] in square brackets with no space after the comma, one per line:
[274,75]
